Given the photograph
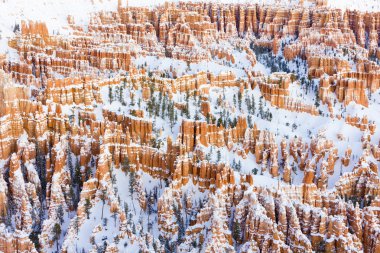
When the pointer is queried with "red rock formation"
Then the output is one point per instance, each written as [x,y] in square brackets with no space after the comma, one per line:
[276,90]
[60,73]
[16,241]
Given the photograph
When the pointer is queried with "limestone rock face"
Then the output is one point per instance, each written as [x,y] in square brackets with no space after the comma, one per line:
[16,241]
[3,196]
[347,90]
[69,91]
[19,194]
[276,91]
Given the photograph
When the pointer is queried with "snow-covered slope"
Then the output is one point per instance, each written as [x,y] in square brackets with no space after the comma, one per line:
[53,12]
[364,5]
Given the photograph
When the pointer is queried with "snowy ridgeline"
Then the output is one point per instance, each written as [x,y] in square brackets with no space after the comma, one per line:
[55,12]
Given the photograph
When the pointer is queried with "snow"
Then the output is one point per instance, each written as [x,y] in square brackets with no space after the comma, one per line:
[365,6]
[265,181]
[157,2]
[106,229]
[154,63]
[54,13]
[259,67]
[307,126]
[109,231]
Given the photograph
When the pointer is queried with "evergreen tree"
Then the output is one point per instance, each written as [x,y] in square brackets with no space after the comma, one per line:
[220,122]
[110,95]
[159,97]
[253,105]
[87,207]
[237,232]
[78,174]
[249,119]
[76,224]
[126,209]
[196,116]
[113,177]
[41,169]
[261,110]
[163,107]
[133,228]
[16,28]
[34,238]
[238,166]
[132,184]
[294,127]
[132,103]
[187,96]
[70,161]
[56,234]
[103,196]
[121,99]
[116,239]
[155,246]
[60,214]
[72,197]
[248,103]
[239,99]
[218,156]
[181,226]
[114,216]
[317,100]
[187,111]
[126,164]
[87,174]
[172,118]
[233,165]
